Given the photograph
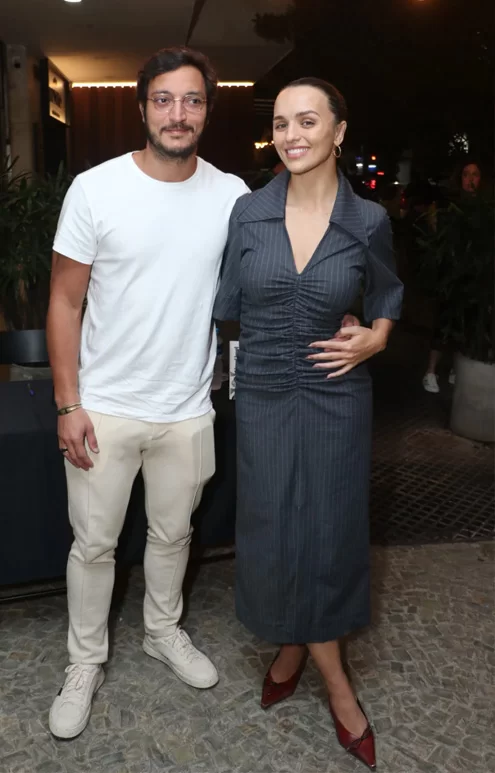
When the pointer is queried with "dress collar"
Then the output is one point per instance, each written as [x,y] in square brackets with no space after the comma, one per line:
[269,204]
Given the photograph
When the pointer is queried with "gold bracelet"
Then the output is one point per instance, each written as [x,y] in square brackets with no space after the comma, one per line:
[68,409]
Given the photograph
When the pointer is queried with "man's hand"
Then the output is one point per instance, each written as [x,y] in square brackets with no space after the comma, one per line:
[349,320]
[74,430]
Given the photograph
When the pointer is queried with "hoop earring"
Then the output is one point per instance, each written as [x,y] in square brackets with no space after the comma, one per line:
[334,151]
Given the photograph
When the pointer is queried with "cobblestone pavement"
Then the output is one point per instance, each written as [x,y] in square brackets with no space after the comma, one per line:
[424,671]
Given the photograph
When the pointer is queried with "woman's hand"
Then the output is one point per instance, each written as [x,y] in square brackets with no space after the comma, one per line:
[350,347]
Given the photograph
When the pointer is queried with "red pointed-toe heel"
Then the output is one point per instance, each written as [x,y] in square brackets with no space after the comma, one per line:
[362,747]
[274,692]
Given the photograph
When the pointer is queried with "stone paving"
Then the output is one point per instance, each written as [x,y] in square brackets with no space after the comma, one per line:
[424,671]
[427,484]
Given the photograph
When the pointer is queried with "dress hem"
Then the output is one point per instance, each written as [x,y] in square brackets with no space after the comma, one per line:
[273,636]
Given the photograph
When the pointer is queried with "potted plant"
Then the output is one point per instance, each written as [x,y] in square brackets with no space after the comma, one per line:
[458,266]
[29,211]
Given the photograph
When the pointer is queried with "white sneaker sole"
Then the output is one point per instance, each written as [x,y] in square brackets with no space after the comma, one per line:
[65,734]
[200,684]
[432,390]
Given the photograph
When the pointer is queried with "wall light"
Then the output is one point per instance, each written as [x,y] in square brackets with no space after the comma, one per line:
[132,84]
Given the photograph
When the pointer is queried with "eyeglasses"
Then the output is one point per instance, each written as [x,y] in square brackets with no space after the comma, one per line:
[164,103]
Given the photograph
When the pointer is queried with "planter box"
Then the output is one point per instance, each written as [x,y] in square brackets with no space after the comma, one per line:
[26,354]
[23,347]
[473,405]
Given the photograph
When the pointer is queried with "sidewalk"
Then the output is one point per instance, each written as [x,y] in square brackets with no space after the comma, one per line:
[424,672]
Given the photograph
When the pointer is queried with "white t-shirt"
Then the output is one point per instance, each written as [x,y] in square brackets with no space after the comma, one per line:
[148,343]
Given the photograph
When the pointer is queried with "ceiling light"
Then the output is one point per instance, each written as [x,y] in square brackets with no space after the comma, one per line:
[72,1]
[105,85]
[233,84]
[132,84]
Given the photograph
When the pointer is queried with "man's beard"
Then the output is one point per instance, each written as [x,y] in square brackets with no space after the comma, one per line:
[171,154]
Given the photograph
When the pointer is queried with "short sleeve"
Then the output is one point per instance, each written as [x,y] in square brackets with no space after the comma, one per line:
[76,236]
[384,290]
[228,300]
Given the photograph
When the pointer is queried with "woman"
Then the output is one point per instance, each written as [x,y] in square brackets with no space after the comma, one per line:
[469,178]
[465,187]
[298,252]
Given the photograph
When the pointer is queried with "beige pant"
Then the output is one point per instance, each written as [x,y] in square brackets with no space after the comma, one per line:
[177,460]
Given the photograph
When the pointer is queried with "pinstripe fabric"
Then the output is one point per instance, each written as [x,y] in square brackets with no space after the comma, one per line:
[303,441]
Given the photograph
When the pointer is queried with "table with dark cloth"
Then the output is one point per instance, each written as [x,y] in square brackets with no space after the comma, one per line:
[35,535]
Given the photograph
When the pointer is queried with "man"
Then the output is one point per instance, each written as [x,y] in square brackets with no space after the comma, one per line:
[142,236]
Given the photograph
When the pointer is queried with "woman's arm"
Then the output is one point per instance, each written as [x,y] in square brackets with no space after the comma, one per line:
[228,300]
[382,305]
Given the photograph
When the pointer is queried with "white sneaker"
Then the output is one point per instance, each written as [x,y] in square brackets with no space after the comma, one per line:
[430,383]
[71,709]
[452,377]
[179,654]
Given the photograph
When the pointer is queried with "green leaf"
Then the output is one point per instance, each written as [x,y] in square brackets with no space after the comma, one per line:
[29,211]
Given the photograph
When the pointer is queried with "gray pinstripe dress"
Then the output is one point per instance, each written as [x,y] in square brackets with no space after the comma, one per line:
[304,442]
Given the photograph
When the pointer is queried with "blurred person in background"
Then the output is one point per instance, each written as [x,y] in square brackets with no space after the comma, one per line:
[465,188]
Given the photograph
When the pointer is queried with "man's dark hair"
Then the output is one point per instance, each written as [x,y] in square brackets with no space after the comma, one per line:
[336,101]
[171,59]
